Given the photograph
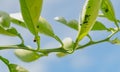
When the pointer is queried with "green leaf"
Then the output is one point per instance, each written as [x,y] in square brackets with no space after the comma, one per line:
[9,32]
[4,59]
[17,68]
[4,19]
[31,10]
[108,10]
[61,20]
[16,18]
[99,26]
[89,15]
[44,27]
[26,55]
[72,23]
[88,18]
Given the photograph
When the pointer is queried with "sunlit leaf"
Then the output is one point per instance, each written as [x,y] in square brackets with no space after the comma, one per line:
[88,18]
[26,55]
[31,11]
[4,19]
[17,68]
[99,26]
[73,24]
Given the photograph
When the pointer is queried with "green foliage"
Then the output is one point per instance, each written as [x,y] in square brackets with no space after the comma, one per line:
[43,25]
[89,14]
[72,23]
[26,55]
[30,18]
[31,12]
[99,26]
[10,32]
[4,19]
[13,67]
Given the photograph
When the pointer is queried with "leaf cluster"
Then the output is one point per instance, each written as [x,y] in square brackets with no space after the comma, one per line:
[30,18]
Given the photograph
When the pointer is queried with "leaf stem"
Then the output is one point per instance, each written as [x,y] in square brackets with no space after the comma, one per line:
[5,62]
[58,39]
[59,49]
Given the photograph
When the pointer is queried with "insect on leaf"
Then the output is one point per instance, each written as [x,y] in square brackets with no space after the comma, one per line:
[88,19]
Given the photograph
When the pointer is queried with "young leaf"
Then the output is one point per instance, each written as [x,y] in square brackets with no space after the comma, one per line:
[4,19]
[72,23]
[17,68]
[61,20]
[26,55]
[98,26]
[108,10]
[8,32]
[44,27]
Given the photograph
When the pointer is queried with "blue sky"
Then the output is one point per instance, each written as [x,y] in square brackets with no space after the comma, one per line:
[103,57]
